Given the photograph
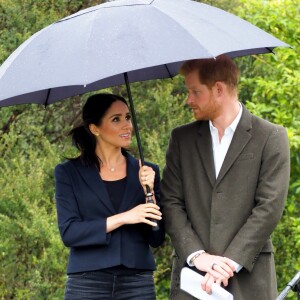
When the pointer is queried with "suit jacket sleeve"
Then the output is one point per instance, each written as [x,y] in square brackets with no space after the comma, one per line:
[270,195]
[177,223]
[156,238]
[75,231]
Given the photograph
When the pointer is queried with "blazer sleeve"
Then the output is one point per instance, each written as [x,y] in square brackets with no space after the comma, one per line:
[177,224]
[156,238]
[74,230]
[270,195]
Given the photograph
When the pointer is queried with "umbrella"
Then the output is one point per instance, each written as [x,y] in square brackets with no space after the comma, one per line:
[121,42]
[293,285]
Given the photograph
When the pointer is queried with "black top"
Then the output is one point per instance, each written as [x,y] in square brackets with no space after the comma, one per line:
[116,190]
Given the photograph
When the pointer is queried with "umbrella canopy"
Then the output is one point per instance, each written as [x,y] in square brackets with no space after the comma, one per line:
[145,39]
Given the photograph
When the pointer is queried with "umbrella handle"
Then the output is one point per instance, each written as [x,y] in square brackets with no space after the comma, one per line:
[149,199]
[149,194]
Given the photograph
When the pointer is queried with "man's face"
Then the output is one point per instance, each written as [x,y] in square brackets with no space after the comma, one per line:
[201,99]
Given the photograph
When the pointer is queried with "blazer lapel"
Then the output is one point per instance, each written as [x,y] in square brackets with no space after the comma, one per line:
[92,178]
[132,183]
[204,145]
[240,139]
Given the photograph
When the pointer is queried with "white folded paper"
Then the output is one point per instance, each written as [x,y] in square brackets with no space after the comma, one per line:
[190,282]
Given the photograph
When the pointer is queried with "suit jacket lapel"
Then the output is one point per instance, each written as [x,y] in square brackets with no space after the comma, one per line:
[92,178]
[132,183]
[204,145]
[240,139]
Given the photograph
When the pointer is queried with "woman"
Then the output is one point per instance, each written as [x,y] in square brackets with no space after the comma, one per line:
[102,214]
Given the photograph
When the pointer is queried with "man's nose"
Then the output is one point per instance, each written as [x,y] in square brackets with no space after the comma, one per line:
[189,100]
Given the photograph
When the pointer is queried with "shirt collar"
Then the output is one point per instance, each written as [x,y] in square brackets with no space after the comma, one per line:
[234,123]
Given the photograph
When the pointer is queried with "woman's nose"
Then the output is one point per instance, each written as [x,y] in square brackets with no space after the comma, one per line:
[127,124]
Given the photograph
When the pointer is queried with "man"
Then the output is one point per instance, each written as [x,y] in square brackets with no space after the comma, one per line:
[224,186]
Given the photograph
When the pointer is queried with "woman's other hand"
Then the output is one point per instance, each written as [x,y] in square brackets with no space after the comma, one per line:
[142,213]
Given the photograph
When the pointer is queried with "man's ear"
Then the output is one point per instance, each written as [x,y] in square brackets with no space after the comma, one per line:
[219,87]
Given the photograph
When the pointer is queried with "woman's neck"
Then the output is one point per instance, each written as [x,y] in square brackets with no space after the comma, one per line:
[111,159]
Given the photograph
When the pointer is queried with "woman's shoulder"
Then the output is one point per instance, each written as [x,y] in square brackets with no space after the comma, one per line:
[135,161]
[152,165]
[68,164]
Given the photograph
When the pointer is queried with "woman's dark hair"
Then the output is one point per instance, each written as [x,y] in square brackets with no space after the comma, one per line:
[93,111]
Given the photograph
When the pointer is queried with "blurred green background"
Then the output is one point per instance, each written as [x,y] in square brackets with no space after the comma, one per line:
[33,140]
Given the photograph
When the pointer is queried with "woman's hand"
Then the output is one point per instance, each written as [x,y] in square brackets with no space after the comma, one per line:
[146,176]
[140,214]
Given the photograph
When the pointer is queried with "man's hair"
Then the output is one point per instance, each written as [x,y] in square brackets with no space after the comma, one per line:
[222,68]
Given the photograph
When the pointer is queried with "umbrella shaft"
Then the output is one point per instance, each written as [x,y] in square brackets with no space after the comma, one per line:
[135,126]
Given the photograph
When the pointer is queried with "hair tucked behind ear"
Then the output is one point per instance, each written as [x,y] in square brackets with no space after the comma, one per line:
[93,111]
[84,141]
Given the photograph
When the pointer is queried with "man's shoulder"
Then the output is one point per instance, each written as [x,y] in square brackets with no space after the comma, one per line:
[190,127]
[258,123]
[263,124]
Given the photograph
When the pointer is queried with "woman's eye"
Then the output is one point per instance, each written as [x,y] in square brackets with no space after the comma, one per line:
[128,117]
[116,119]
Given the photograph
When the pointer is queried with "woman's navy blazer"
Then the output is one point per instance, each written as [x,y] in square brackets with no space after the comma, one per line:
[83,205]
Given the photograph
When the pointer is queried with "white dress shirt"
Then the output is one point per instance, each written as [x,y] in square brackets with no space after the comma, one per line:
[220,149]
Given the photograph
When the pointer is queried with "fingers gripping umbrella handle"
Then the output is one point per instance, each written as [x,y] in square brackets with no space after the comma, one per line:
[149,195]
[149,199]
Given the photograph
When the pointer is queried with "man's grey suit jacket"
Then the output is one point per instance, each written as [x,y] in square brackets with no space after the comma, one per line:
[235,214]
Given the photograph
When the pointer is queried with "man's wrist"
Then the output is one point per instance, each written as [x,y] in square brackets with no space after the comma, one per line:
[200,252]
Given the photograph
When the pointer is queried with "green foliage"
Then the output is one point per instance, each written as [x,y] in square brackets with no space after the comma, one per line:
[163,274]
[271,89]
[33,140]
[32,258]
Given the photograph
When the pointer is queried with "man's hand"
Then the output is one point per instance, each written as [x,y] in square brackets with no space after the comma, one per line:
[218,270]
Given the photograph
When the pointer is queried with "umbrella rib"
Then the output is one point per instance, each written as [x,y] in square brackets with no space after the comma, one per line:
[170,75]
[187,32]
[270,50]
[78,14]
[47,99]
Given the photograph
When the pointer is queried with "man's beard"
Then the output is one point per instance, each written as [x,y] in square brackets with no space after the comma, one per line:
[210,112]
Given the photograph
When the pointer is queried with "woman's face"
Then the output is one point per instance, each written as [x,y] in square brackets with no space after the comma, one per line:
[116,127]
